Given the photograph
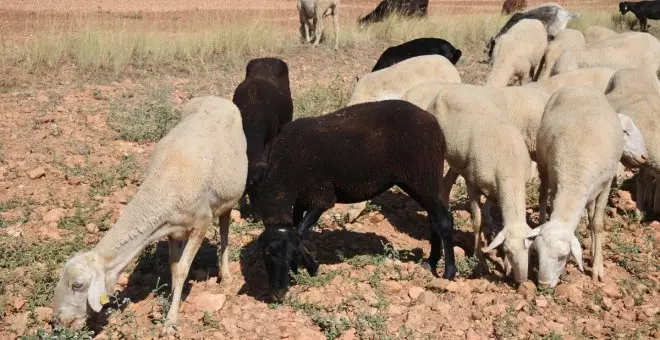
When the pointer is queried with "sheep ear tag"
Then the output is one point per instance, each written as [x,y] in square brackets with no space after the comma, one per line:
[103,299]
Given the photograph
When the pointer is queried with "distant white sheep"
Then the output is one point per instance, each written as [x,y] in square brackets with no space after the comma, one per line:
[312,12]
[596,77]
[595,33]
[197,172]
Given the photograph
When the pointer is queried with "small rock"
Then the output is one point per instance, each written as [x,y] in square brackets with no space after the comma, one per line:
[607,303]
[45,119]
[477,315]
[459,252]
[414,292]
[428,298]
[17,303]
[73,180]
[594,308]
[656,335]
[439,284]
[92,228]
[627,315]
[629,301]
[462,215]
[519,305]
[392,287]
[394,309]
[624,195]
[54,215]
[594,328]
[123,279]
[236,216]
[377,218]
[350,334]
[472,335]
[18,322]
[527,287]
[611,289]
[414,319]
[570,292]
[43,314]
[36,173]
[209,302]
[452,287]
[541,303]
[650,311]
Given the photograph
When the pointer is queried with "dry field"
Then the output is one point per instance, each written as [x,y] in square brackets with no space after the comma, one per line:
[88,87]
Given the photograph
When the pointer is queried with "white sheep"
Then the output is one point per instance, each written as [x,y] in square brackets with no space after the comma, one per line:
[624,50]
[635,92]
[470,122]
[518,53]
[312,12]
[565,39]
[392,82]
[595,33]
[197,172]
[596,77]
[579,143]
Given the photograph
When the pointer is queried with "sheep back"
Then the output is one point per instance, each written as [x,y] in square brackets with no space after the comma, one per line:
[415,48]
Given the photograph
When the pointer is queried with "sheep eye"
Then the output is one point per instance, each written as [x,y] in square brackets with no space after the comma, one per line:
[77,285]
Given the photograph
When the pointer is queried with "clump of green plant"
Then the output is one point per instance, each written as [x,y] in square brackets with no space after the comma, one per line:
[149,121]
[320,99]
[59,333]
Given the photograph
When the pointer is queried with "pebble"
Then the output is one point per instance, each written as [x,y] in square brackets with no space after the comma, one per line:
[439,284]
[377,218]
[611,289]
[541,303]
[477,315]
[628,301]
[428,298]
[472,335]
[209,302]
[570,292]
[452,287]
[350,334]
[594,328]
[414,292]
[36,173]
[92,228]
[53,215]
[607,303]
[527,287]
[43,314]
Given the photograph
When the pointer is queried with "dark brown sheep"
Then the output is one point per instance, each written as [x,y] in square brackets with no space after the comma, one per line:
[264,99]
[350,156]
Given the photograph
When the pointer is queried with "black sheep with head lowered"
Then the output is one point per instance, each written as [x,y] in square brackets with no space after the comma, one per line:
[416,48]
[349,156]
[264,99]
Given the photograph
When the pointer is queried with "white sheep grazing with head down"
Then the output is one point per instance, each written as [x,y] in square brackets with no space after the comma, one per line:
[566,39]
[392,82]
[518,53]
[579,143]
[595,33]
[596,77]
[197,172]
[623,50]
[470,121]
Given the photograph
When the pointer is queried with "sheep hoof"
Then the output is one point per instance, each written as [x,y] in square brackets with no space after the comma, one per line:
[225,280]
[169,331]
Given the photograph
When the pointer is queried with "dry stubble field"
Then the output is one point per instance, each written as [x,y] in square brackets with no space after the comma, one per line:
[86,90]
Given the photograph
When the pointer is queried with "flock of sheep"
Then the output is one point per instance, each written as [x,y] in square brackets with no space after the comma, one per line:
[591,108]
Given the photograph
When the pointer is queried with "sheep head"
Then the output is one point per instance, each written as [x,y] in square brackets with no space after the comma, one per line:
[623,7]
[512,239]
[83,283]
[634,148]
[553,243]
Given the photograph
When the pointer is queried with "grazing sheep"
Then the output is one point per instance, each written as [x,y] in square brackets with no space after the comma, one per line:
[596,77]
[518,54]
[635,92]
[643,10]
[566,39]
[392,82]
[552,15]
[313,166]
[512,6]
[196,173]
[579,143]
[312,12]
[624,50]
[406,8]
[264,99]
[470,122]
[416,48]
[595,33]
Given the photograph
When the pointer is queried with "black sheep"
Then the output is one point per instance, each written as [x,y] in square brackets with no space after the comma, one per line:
[416,48]
[350,156]
[264,99]
[643,10]
[408,8]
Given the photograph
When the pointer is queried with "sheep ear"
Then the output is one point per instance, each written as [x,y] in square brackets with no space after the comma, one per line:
[96,295]
[499,239]
[531,235]
[576,251]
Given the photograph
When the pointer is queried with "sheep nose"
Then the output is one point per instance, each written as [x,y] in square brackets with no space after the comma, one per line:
[278,294]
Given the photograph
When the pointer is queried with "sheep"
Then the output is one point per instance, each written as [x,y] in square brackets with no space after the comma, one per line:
[579,143]
[264,99]
[566,39]
[392,82]
[406,8]
[197,172]
[415,48]
[596,77]
[552,15]
[518,53]
[312,167]
[595,33]
[623,50]
[643,10]
[512,6]
[311,14]
[470,121]
[635,92]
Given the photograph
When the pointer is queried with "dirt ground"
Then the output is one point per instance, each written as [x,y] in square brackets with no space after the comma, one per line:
[66,174]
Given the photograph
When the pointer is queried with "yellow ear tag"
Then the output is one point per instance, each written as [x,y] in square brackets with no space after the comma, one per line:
[104,299]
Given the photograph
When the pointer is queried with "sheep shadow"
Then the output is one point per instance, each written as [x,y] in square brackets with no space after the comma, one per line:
[152,275]
[327,246]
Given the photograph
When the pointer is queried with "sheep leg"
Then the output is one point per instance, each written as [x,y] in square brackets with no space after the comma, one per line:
[642,24]
[181,272]
[598,270]
[656,198]
[318,27]
[474,195]
[641,197]
[335,23]
[543,195]
[447,183]
[304,23]
[311,217]
[223,250]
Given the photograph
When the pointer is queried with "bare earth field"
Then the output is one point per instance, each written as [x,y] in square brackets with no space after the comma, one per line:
[88,87]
